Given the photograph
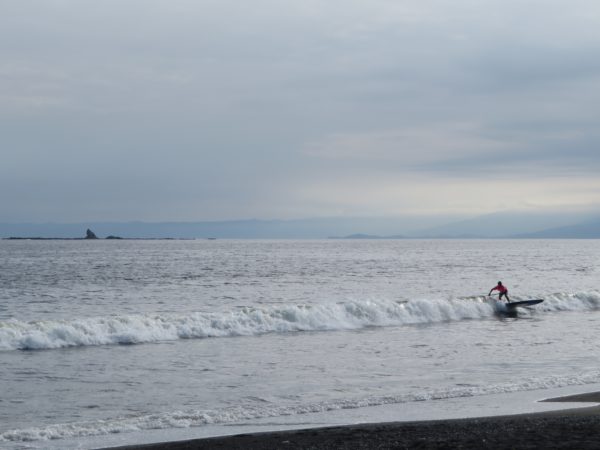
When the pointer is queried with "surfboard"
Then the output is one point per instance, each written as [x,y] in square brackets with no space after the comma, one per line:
[523,303]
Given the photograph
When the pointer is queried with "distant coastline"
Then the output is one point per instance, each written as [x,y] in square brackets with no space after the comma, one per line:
[494,226]
[89,236]
[16,238]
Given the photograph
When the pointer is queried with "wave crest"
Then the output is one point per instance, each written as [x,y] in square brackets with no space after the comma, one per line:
[246,321]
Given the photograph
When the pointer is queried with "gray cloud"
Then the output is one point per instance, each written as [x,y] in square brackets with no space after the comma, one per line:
[200,110]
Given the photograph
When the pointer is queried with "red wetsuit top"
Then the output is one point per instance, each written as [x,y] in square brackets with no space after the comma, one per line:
[500,288]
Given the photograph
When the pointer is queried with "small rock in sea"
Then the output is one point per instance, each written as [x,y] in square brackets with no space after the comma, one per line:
[89,234]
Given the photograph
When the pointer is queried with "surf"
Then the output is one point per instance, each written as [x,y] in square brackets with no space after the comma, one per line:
[258,320]
[239,414]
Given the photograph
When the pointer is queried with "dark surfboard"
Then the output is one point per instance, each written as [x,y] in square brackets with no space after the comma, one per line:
[523,303]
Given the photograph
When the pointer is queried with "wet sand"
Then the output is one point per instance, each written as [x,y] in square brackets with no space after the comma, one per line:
[572,428]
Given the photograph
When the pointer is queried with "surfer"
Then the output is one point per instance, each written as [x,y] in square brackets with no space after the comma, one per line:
[502,290]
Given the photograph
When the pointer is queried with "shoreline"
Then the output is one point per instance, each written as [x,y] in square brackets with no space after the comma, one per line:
[565,428]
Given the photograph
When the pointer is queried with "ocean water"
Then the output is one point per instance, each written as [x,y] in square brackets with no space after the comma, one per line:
[142,338]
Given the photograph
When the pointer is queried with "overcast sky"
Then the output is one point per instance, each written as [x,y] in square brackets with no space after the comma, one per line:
[214,110]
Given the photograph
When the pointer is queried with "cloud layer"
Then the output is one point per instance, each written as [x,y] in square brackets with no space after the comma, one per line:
[206,110]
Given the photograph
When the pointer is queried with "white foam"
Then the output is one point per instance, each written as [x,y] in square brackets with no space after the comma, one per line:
[245,414]
[135,329]
[581,301]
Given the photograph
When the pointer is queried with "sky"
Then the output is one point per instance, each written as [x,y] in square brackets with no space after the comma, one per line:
[200,110]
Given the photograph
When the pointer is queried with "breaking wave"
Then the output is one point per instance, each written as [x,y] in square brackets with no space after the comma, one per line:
[247,321]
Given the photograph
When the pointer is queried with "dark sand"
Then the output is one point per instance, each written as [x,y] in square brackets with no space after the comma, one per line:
[593,397]
[572,429]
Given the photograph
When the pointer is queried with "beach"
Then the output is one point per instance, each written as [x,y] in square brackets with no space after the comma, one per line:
[571,428]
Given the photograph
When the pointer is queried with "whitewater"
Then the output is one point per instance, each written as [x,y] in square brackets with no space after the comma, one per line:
[250,321]
[153,338]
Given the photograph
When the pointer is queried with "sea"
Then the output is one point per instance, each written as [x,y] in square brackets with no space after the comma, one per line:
[114,342]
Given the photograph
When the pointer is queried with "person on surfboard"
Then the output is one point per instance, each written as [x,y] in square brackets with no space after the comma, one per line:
[502,290]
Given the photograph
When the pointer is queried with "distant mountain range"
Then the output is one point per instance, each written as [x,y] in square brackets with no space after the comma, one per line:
[510,224]
[498,225]
[586,230]
[507,225]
